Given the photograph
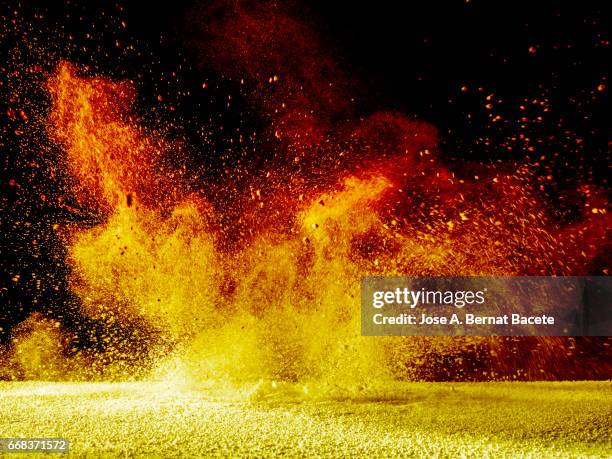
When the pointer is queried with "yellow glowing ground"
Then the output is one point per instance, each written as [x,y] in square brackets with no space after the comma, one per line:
[412,419]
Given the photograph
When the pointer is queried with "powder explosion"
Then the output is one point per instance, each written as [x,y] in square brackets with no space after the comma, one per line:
[257,277]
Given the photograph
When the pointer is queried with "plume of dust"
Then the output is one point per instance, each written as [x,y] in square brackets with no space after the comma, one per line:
[39,352]
[283,309]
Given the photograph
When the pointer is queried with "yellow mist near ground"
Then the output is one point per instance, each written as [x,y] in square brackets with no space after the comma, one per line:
[281,309]
[39,352]
[138,266]
[285,308]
